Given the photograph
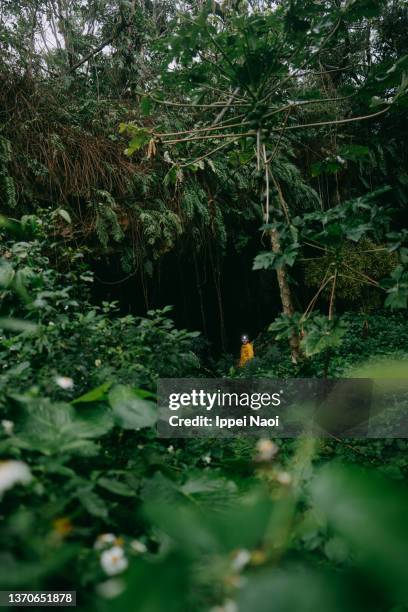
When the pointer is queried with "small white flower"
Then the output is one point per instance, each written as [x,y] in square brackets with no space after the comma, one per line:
[138,546]
[113,561]
[206,458]
[284,478]
[170,449]
[98,363]
[64,382]
[110,588]
[240,560]
[8,426]
[266,450]
[13,472]
[104,539]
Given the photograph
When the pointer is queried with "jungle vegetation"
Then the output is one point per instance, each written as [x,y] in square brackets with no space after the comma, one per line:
[172,174]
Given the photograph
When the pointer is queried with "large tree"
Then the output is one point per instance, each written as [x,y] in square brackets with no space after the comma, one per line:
[253,79]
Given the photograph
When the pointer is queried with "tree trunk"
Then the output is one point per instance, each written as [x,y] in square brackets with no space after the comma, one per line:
[65,29]
[286,297]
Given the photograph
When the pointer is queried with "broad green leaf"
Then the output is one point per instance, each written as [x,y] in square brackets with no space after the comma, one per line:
[357,232]
[321,334]
[130,410]
[97,420]
[214,492]
[284,326]
[7,274]
[264,260]
[184,525]
[18,325]
[293,588]
[13,226]
[369,512]
[64,214]
[93,503]
[207,513]
[397,299]
[115,486]
[98,393]
[53,429]
[156,587]
[139,138]
[144,394]
[354,152]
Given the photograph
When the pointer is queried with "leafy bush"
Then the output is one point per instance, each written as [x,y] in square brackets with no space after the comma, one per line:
[92,501]
[62,335]
[355,339]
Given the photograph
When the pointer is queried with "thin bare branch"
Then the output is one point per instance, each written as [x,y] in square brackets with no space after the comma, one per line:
[335,121]
[208,138]
[203,129]
[222,146]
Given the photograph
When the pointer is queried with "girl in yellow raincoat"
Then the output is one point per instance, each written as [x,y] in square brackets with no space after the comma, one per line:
[247,351]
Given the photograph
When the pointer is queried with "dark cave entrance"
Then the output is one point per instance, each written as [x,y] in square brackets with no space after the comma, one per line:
[222,305]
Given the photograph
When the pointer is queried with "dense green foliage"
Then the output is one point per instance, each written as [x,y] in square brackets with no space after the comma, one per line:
[193,515]
[247,162]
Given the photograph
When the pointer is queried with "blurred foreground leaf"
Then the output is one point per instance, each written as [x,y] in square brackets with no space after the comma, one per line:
[369,512]
[294,589]
[130,410]
[154,587]
[17,325]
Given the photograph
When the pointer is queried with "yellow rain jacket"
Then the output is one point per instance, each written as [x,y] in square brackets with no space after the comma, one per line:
[247,353]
